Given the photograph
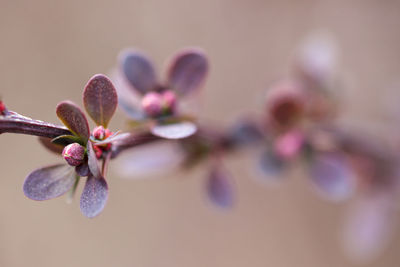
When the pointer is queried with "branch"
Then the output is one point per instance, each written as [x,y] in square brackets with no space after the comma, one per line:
[12,122]
[134,139]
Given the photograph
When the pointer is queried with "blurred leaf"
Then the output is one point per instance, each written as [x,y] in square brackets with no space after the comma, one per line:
[46,142]
[246,133]
[153,159]
[93,162]
[174,130]
[370,225]
[73,117]
[94,196]
[138,71]
[130,110]
[49,182]
[100,99]
[220,188]
[332,176]
[187,70]
[271,165]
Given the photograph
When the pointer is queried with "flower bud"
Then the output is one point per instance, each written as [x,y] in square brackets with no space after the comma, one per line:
[99,133]
[2,108]
[108,133]
[289,144]
[169,101]
[286,103]
[152,104]
[74,154]
[98,151]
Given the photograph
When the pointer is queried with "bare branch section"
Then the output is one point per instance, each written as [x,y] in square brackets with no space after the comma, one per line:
[134,139]
[12,122]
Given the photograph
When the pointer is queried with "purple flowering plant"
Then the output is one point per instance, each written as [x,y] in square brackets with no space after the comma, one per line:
[298,125]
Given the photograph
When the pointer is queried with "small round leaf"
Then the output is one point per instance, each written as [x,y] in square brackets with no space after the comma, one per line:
[100,99]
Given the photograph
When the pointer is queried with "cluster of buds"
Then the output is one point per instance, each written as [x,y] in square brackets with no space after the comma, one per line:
[156,104]
[100,134]
[159,100]
[286,115]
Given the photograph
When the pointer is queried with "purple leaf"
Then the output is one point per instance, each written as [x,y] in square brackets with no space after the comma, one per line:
[94,196]
[246,132]
[73,117]
[46,142]
[150,160]
[220,188]
[332,176]
[100,99]
[271,165]
[187,70]
[174,130]
[93,162]
[49,182]
[370,225]
[130,110]
[139,71]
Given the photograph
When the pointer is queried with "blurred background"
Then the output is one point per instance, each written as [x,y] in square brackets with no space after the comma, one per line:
[48,51]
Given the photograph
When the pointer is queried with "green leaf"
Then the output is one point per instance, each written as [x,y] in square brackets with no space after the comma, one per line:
[65,140]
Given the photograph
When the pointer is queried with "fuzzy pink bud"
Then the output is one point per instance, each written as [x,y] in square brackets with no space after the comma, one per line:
[152,104]
[286,103]
[74,154]
[288,145]
[99,133]
[2,108]
[169,101]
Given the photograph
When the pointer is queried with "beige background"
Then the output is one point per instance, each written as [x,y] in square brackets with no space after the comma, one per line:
[49,49]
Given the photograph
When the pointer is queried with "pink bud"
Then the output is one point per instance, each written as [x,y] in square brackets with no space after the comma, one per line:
[98,151]
[152,104]
[99,133]
[288,145]
[74,154]
[169,101]
[108,133]
[285,104]
[2,107]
